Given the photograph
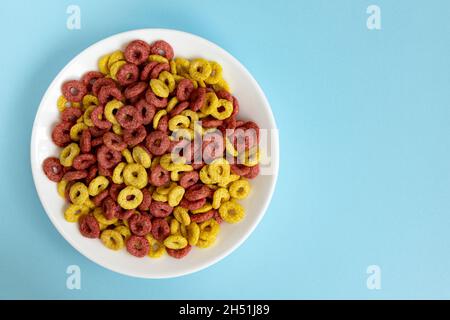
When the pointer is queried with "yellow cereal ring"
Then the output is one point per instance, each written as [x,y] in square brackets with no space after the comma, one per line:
[175,196]
[216,73]
[181,215]
[175,242]
[157,117]
[142,157]
[110,109]
[205,242]
[175,176]
[209,228]
[62,103]
[172,103]
[155,162]
[123,230]
[219,169]
[130,197]
[89,203]
[159,197]
[114,68]
[183,230]
[167,78]
[193,233]
[117,177]
[205,177]
[114,57]
[127,155]
[78,193]
[229,148]
[239,189]
[89,100]
[68,154]
[221,85]
[159,88]
[100,217]
[177,78]
[200,69]
[135,175]
[220,195]
[117,129]
[250,157]
[226,181]
[173,67]
[174,226]
[182,65]
[231,212]
[165,161]
[103,64]
[77,130]
[61,187]
[211,102]
[87,116]
[205,208]
[112,239]
[192,116]
[223,110]
[157,58]
[179,134]
[156,248]
[164,190]
[201,84]
[179,122]
[74,212]
[102,226]
[97,185]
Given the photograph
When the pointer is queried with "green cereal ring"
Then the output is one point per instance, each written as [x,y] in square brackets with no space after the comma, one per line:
[179,122]
[173,67]
[168,80]
[216,73]
[75,211]
[78,193]
[114,57]
[100,217]
[231,212]
[156,248]
[200,69]
[157,58]
[97,185]
[142,157]
[110,110]
[220,195]
[182,65]
[181,215]
[112,239]
[175,242]
[127,155]
[175,196]
[117,177]
[135,175]
[211,102]
[77,130]
[89,100]
[157,117]
[222,110]
[172,103]
[239,189]
[130,198]
[87,116]
[123,230]
[103,64]
[193,233]
[115,68]
[159,88]
[68,154]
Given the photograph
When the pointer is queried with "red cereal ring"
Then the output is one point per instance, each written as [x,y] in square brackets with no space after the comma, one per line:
[126,214]
[160,209]
[198,165]
[106,172]
[74,90]
[239,169]
[210,122]
[152,99]
[107,93]
[85,141]
[250,125]
[98,199]
[71,114]
[140,224]
[135,136]
[137,246]
[135,90]
[84,161]
[217,217]
[224,94]
[145,73]
[89,226]
[254,171]
[114,141]
[179,253]
[239,123]
[90,77]
[159,176]
[75,175]
[97,118]
[197,192]
[128,74]
[97,132]
[110,208]
[235,107]
[137,52]
[178,109]
[102,82]
[53,169]
[230,123]
[157,142]
[184,89]
[163,124]
[91,174]
[162,48]
[192,205]
[146,200]
[202,217]
[96,142]
[146,110]
[212,149]
[189,179]
[108,158]
[129,117]
[114,190]
[158,69]
[197,99]
[160,229]
[61,134]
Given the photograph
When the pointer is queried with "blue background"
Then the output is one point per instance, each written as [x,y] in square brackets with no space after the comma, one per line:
[364,119]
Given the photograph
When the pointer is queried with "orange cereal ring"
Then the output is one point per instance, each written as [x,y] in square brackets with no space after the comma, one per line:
[96,142]
[210,122]
[53,169]
[224,94]
[137,52]
[98,199]
[240,169]
[197,99]
[74,90]
[217,217]
[162,48]
[196,192]
[75,175]
[102,82]
[91,174]
[107,93]
[184,89]
[114,190]
[125,214]
[254,171]
[127,74]
[178,109]
[97,132]
[106,172]
[163,124]
[146,200]
[137,246]
[110,208]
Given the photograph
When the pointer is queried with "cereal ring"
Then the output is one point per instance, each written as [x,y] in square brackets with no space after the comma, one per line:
[182,216]
[135,136]
[68,154]
[96,142]
[157,249]
[157,58]
[117,177]
[101,218]
[112,239]
[114,142]
[115,57]
[193,233]
[240,169]
[129,117]
[124,231]
[75,175]
[89,226]
[135,175]
[220,195]
[239,189]
[53,169]
[110,208]
[135,90]
[197,99]
[193,205]
[188,179]
[137,246]
[97,119]
[98,199]
[157,142]
[61,134]
[102,82]
[74,90]
[127,74]
[76,131]
[145,73]
[211,102]
[205,208]
[222,110]
[160,209]
[130,198]
[174,226]
[74,212]
[196,192]
[146,110]
[107,92]
[209,229]
[158,69]
[162,124]
[202,217]
[146,200]
[175,242]
[231,212]
[71,114]
[216,73]
[137,52]
[159,176]
[175,195]
[159,88]
[111,109]
[108,158]
[106,172]
[253,173]
[160,229]
[162,48]
[78,193]
[87,116]
[167,78]
[152,99]
[180,253]
[89,79]
[142,156]
[200,69]
[97,185]
[140,224]
[84,161]
[184,89]
[115,189]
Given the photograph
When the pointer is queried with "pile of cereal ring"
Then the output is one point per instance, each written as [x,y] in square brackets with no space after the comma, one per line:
[154,158]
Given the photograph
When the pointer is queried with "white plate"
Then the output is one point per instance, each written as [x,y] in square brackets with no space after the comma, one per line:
[254,105]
